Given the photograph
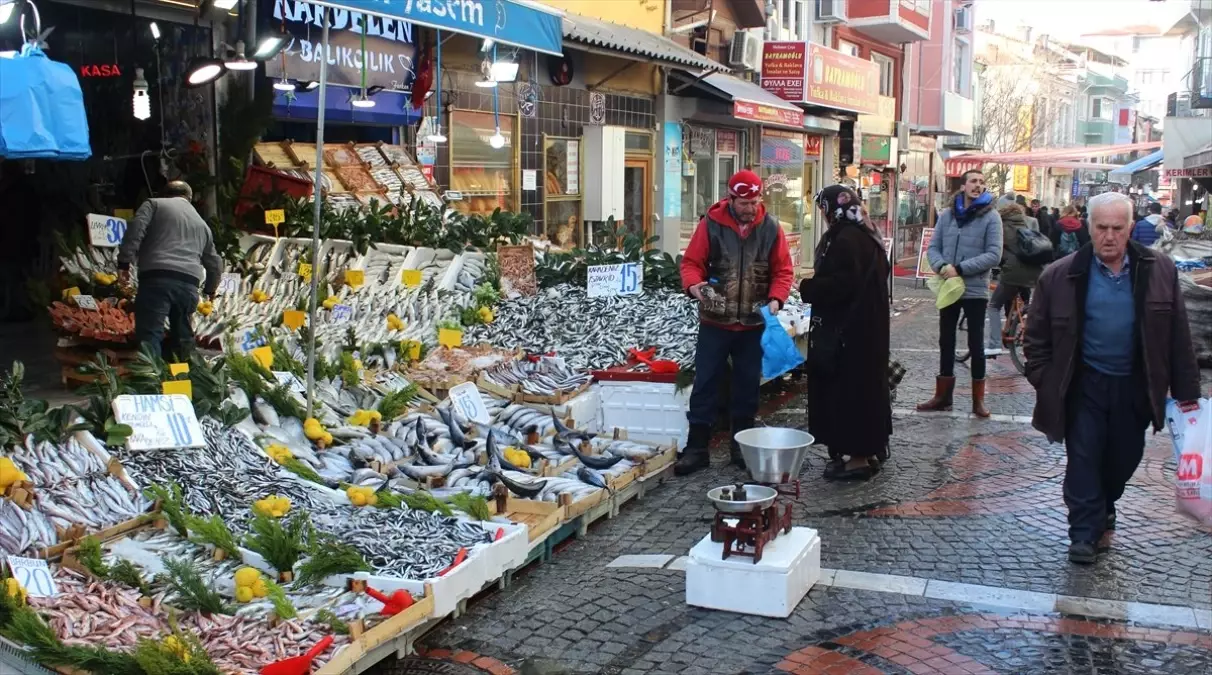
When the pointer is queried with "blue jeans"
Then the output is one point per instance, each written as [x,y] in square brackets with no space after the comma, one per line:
[170,300]
[1104,443]
[715,346]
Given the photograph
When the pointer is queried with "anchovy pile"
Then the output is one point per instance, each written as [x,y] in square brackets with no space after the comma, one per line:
[594,333]
[547,377]
[403,543]
[86,261]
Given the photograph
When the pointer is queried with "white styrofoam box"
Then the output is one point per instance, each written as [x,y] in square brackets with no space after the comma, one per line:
[584,409]
[649,411]
[508,552]
[790,565]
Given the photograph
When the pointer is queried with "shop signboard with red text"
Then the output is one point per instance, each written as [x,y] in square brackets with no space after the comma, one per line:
[760,112]
[784,67]
[815,74]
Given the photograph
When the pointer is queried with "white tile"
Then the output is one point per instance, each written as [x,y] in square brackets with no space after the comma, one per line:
[678,564]
[1169,615]
[827,576]
[1092,607]
[1203,619]
[655,561]
[885,583]
[991,596]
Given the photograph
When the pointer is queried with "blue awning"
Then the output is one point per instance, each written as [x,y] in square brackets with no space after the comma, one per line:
[520,23]
[1124,173]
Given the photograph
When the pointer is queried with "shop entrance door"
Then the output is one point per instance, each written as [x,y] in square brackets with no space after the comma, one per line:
[725,167]
[637,197]
[811,235]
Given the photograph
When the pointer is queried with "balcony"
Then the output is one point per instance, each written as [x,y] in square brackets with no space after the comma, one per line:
[972,141]
[891,21]
[1199,83]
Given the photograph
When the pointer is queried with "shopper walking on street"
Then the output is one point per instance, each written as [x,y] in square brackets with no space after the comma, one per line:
[1069,234]
[1017,276]
[967,243]
[1149,228]
[1040,213]
[849,405]
[175,252]
[737,262]
[1107,338]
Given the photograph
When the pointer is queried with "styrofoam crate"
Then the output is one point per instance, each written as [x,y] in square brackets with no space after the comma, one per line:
[790,566]
[649,411]
[585,409]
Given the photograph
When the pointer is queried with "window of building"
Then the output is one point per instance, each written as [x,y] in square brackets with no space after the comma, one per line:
[961,69]
[1101,107]
[887,73]
[848,48]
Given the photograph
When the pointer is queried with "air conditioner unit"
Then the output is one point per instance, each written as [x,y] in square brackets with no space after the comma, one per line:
[745,52]
[831,11]
[963,19]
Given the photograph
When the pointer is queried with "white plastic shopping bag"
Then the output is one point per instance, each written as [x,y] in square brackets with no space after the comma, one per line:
[1192,435]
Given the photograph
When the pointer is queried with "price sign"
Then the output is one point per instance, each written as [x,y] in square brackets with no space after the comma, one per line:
[251,340]
[466,399]
[275,217]
[105,231]
[450,338]
[305,271]
[607,280]
[264,356]
[159,422]
[175,369]
[342,313]
[293,319]
[411,278]
[229,284]
[355,278]
[289,379]
[182,387]
[34,576]
[70,292]
[86,302]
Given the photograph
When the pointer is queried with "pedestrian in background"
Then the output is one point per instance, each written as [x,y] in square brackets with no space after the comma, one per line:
[849,405]
[1107,338]
[967,243]
[1069,234]
[1172,219]
[174,250]
[737,262]
[1041,215]
[1149,228]
[1017,276]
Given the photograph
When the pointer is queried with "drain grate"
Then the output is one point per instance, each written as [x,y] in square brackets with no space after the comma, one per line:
[419,666]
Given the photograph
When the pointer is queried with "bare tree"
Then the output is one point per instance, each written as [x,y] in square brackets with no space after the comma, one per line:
[1014,113]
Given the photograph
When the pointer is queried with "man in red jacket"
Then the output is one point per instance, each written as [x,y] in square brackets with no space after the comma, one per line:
[736,264]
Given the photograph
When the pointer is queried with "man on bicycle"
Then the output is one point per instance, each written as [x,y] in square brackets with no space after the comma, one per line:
[1018,274]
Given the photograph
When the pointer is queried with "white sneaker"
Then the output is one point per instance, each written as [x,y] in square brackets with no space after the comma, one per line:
[994,351]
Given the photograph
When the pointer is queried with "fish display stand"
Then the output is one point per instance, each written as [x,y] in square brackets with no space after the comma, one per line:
[790,565]
[377,642]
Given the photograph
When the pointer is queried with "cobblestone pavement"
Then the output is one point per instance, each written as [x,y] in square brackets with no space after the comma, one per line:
[963,500]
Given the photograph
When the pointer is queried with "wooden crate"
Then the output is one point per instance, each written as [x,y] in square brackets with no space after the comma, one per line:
[108,534]
[559,398]
[347,659]
[579,508]
[553,469]
[538,517]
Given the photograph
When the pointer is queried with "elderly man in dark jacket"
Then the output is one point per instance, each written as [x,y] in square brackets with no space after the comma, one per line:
[1107,337]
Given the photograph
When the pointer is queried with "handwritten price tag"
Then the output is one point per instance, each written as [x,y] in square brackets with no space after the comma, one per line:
[355,278]
[342,313]
[607,280]
[34,576]
[275,217]
[264,356]
[182,387]
[411,278]
[305,271]
[175,369]
[159,422]
[105,231]
[450,338]
[86,302]
[293,319]
[289,379]
[466,399]
[229,284]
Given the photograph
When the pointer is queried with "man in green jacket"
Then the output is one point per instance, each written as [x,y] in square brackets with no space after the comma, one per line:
[1017,276]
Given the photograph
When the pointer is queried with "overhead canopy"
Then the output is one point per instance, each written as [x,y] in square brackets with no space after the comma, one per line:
[1124,173]
[644,46]
[1199,158]
[1078,153]
[750,103]
[520,23]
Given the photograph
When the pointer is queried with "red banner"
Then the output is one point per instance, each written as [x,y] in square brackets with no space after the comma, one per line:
[812,145]
[760,112]
[956,167]
[842,81]
[784,67]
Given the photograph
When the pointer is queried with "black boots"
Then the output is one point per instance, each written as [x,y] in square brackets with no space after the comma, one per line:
[695,455]
[734,451]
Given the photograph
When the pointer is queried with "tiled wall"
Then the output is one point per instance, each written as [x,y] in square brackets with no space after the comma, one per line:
[562,111]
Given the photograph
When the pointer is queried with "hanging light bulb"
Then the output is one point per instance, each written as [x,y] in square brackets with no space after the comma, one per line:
[497,141]
[155,30]
[239,61]
[141,101]
[6,9]
[283,85]
[363,101]
[203,70]
[437,136]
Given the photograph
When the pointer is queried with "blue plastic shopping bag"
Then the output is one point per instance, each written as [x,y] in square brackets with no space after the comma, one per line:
[41,109]
[779,354]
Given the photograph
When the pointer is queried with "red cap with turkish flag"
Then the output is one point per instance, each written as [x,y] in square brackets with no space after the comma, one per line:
[745,184]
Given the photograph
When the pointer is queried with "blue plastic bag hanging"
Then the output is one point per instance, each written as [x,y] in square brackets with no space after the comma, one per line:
[41,109]
[779,354]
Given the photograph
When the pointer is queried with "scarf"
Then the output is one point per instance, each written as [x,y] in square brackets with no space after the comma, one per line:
[963,214]
[1070,224]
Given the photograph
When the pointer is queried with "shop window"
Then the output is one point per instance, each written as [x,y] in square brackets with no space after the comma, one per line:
[887,73]
[562,190]
[1101,108]
[482,174]
[637,141]
[782,171]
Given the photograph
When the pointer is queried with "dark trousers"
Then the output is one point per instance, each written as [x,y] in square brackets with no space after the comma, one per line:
[948,321]
[715,346]
[1104,442]
[163,299]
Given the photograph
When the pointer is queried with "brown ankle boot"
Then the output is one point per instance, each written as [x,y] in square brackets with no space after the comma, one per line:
[944,387]
[978,399]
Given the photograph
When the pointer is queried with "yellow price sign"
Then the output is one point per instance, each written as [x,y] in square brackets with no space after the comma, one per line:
[305,271]
[412,278]
[448,337]
[355,278]
[414,349]
[293,319]
[178,368]
[183,387]
[275,217]
[125,214]
[264,356]
[70,292]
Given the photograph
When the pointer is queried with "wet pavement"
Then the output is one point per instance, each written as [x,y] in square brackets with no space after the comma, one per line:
[951,560]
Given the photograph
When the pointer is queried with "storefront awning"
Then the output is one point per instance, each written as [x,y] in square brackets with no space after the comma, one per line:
[1071,154]
[520,23]
[1124,173]
[750,103]
[641,45]
[1199,158]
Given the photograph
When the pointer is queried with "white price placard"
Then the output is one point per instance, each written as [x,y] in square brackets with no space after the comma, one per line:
[290,380]
[159,422]
[466,399]
[530,179]
[342,313]
[86,302]
[624,279]
[106,231]
[229,284]
[34,576]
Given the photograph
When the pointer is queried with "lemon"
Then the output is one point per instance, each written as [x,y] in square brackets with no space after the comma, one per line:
[330,302]
[247,576]
[14,589]
[486,315]
[259,588]
[517,457]
[358,499]
[244,593]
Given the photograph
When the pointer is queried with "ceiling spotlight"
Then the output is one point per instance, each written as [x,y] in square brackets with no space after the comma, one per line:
[488,43]
[374,89]
[504,71]
[497,141]
[362,101]
[306,86]
[239,61]
[6,9]
[283,85]
[437,136]
[155,30]
[204,71]
[269,47]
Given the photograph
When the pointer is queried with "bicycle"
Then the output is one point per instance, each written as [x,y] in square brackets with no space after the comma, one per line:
[1014,331]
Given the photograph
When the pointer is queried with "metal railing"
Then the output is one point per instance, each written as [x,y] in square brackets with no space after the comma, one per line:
[972,141]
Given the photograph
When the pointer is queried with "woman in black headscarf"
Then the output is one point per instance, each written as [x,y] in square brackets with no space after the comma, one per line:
[849,407]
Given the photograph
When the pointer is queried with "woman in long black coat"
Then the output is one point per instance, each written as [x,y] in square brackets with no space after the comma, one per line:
[849,409]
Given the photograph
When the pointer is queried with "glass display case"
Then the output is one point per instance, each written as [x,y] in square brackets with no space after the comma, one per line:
[562,191]
[485,177]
